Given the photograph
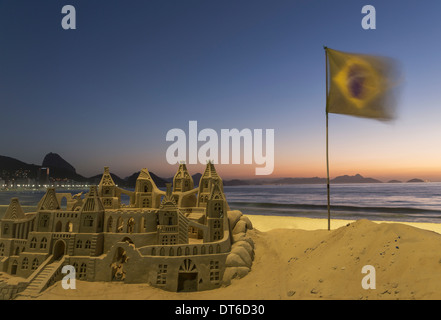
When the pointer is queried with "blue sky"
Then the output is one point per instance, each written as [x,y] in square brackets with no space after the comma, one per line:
[108,92]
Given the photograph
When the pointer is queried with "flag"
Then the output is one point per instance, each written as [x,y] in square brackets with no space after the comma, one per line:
[361,85]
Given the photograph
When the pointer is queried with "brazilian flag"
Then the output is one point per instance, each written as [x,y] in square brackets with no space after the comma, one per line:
[361,85]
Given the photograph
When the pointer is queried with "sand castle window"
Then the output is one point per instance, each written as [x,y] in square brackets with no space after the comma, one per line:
[218,208]
[131,225]
[35,264]
[109,224]
[162,252]
[217,235]
[75,265]
[2,249]
[173,239]
[164,240]
[6,229]
[87,245]
[58,226]
[161,278]
[69,227]
[82,271]
[216,224]
[120,225]
[108,202]
[179,252]
[43,243]
[187,251]
[79,244]
[33,243]
[195,250]
[214,271]
[210,249]
[44,221]
[88,221]
[24,264]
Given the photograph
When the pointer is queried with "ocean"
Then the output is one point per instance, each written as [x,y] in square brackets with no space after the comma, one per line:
[412,202]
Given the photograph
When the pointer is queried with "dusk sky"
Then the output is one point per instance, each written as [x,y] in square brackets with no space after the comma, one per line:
[107,93]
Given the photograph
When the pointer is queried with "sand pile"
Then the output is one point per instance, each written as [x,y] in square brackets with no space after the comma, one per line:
[299,264]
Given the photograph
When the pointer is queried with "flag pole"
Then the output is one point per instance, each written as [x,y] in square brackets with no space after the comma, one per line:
[327,147]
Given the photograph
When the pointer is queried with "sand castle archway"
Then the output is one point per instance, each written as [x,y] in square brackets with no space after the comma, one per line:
[187,277]
[59,249]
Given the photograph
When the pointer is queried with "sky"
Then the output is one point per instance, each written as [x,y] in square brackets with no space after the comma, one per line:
[107,93]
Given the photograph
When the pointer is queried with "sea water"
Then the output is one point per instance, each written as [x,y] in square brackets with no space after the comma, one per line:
[413,202]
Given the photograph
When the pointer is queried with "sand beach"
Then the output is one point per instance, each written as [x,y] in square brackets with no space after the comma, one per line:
[298,258]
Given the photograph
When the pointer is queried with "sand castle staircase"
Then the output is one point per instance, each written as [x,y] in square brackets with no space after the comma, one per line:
[42,278]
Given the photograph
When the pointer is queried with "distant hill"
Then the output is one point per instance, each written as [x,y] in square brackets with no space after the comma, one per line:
[54,160]
[61,169]
[354,179]
[9,165]
[395,181]
[415,180]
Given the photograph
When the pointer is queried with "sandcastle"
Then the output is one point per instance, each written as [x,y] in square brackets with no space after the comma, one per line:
[181,239]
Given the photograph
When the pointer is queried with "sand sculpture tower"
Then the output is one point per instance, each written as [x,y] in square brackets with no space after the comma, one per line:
[182,180]
[92,213]
[108,191]
[172,224]
[147,194]
[208,179]
[216,209]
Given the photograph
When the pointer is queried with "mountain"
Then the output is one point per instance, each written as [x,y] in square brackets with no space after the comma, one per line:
[61,169]
[54,160]
[415,180]
[8,163]
[395,181]
[354,179]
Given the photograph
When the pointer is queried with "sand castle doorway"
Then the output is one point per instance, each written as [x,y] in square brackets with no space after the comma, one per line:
[187,277]
[59,249]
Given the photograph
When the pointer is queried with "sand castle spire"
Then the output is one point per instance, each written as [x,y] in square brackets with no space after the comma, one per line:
[106,179]
[182,181]
[14,211]
[206,184]
[92,202]
[49,201]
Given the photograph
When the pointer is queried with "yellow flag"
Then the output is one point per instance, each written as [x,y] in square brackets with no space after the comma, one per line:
[361,85]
